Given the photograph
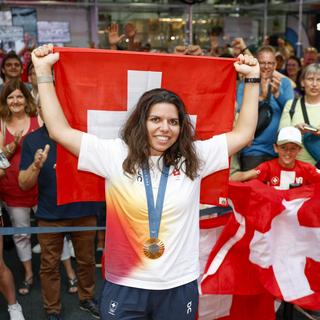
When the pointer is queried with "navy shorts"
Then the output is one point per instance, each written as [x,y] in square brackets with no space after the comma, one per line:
[126,303]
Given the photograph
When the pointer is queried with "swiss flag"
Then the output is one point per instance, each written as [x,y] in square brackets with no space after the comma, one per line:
[271,243]
[231,300]
[97,88]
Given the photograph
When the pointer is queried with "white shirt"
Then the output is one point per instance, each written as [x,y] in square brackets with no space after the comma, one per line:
[127,217]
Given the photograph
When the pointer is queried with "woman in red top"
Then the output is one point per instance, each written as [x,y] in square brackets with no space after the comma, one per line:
[17,113]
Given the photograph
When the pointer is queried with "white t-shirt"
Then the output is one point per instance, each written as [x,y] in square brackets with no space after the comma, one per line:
[127,217]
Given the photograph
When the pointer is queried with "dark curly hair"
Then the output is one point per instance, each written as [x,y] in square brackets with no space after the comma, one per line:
[135,135]
[8,88]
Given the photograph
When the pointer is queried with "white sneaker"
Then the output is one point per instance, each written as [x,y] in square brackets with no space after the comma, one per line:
[36,248]
[15,312]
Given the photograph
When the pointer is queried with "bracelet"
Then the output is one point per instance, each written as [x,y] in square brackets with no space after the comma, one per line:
[8,149]
[252,80]
[45,79]
[243,50]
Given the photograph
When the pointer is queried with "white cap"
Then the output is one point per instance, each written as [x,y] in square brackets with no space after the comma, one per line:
[289,134]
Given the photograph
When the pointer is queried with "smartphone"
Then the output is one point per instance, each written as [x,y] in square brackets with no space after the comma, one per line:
[310,128]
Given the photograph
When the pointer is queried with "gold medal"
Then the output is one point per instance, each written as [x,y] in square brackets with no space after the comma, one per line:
[153,248]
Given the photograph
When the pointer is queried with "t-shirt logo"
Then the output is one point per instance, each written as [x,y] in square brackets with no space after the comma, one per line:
[176,172]
[299,180]
[275,181]
[139,176]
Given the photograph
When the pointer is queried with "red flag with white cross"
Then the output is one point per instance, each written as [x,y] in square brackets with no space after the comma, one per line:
[270,243]
[98,88]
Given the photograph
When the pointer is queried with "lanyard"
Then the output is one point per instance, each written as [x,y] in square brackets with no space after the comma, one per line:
[155,212]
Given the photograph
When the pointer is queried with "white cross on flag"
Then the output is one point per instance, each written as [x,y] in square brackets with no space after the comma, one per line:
[271,243]
[98,88]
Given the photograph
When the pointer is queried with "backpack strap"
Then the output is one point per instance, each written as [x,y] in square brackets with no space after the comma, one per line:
[293,107]
[269,93]
[304,111]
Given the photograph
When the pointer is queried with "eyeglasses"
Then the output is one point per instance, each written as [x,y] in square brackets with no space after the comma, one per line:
[268,64]
[312,80]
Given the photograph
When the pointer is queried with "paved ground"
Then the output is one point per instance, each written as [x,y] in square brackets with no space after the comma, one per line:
[32,304]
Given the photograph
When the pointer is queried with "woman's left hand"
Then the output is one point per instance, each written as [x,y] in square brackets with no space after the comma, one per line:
[247,66]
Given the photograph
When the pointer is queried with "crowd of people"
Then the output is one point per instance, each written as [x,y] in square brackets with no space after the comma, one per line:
[276,90]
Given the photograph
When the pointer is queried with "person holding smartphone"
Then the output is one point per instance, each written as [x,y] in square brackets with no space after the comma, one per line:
[310,82]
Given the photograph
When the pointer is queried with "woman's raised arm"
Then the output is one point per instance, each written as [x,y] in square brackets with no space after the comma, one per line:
[243,132]
[58,127]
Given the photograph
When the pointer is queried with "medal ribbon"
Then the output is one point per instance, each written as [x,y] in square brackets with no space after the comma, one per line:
[155,212]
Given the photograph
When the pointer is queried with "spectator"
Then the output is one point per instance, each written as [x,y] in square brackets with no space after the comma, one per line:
[310,82]
[293,71]
[239,46]
[11,67]
[310,55]
[280,91]
[279,43]
[280,62]
[113,36]
[217,45]
[17,113]
[284,170]
[7,287]
[26,59]
[192,50]
[38,167]
[129,34]
[32,78]
[157,137]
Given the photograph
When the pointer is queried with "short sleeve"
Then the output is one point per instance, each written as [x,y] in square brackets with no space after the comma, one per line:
[264,171]
[213,154]
[98,156]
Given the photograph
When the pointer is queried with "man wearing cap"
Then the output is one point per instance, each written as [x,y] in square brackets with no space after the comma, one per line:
[285,171]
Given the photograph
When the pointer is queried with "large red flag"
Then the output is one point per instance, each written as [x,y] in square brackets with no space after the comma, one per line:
[252,302]
[96,89]
[270,243]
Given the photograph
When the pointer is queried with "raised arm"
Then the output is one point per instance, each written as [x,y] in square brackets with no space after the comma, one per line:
[113,36]
[58,127]
[29,177]
[243,132]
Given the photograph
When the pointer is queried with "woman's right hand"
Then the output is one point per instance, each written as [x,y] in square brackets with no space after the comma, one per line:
[17,137]
[43,59]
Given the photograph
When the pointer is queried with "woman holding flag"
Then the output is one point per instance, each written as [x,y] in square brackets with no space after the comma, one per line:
[153,177]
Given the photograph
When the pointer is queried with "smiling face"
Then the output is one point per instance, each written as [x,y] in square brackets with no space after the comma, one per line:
[292,67]
[287,154]
[16,102]
[163,127]
[12,69]
[267,62]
